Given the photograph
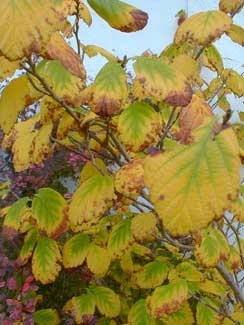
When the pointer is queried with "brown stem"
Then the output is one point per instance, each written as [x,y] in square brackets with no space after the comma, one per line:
[168,126]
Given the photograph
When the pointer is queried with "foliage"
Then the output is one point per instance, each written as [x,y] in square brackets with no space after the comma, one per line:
[151,230]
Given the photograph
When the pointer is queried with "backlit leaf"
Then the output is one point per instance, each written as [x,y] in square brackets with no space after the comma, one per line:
[187,66]
[120,15]
[46,260]
[75,250]
[212,59]
[230,6]
[28,246]
[109,90]
[138,314]
[107,301]
[143,225]
[98,260]
[120,238]
[234,81]
[203,27]
[167,299]
[27,25]
[236,33]
[90,201]
[93,50]
[213,248]
[161,82]
[191,185]
[46,317]
[48,208]
[139,126]
[206,316]
[7,68]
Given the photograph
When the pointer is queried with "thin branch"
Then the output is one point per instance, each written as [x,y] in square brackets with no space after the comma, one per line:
[69,148]
[76,26]
[120,147]
[168,126]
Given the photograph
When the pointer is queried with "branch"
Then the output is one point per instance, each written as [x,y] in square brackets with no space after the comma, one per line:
[168,126]
[120,147]
[76,26]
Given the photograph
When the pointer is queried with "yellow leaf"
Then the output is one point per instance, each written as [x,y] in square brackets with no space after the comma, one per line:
[212,287]
[81,306]
[120,15]
[90,201]
[161,82]
[75,250]
[192,185]
[167,299]
[238,316]
[83,11]
[212,59]
[188,67]
[58,49]
[66,124]
[236,33]
[14,98]
[212,249]
[89,170]
[184,316]
[98,260]
[143,226]
[203,27]
[7,68]
[107,301]
[46,260]
[93,50]
[230,6]
[186,271]
[22,29]
[41,145]
[234,81]
[109,90]
[139,126]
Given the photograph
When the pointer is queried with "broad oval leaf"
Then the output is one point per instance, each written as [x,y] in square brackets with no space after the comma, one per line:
[188,67]
[27,25]
[109,90]
[230,6]
[153,274]
[212,59]
[139,126]
[184,316]
[191,185]
[203,27]
[167,299]
[138,314]
[108,303]
[81,306]
[90,201]
[46,317]
[161,82]
[46,260]
[98,260]
[236,33]
[28,246]
[120,238]
[144,225]
[207,316]
[48,208]
[75,250]
[120,15]
[234,81]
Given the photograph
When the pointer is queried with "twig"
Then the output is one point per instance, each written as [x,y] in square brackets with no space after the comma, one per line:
[168,126]
[120,147]
[69,148]
[76,26]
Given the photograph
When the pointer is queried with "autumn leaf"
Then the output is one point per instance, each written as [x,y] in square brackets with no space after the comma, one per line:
[212,59]
[46,260]
[98,260]
[46,317]
[75,250]
[144,225]
[184,316]
[203,27]
[138,314]
[160,82]
[234,81]
[139,126]
[205,315]
[200,183]
[230,6]
[81,306]
[89,170]
[83,11]
[107,301]
[28,246]
[188,67]
[236,33]
[120,15]
[7,68]
[94,50]
[41,147]
[48,208]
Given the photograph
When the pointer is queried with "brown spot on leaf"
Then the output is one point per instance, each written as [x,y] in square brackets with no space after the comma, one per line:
[139,21]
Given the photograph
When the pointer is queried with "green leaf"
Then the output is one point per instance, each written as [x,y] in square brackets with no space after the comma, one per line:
[120,238]
[75,250]
[139,126]
[107,301]
[138,314]
[205,315]
[160,82]
[81,306]
[120,15]
[46,317]
[212,59]
[184,316]
[46,260]
[98,260]
[28,246]
[192,185]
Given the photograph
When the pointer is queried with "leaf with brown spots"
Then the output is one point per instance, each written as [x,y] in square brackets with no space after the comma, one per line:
[41,146]
[7,68]
[160,82]
[191,117]
[230,6]
[83,11]
[203,27]
[120,15]
[212,59]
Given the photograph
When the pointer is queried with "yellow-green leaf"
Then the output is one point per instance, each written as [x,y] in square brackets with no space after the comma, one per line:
[167,299]
[205,315]
[107,301]
[46,317]
[28,246]
[48,208]
[138,314]
[89,170]
[120,15]
[27,25]
[203,27]
[93,50]
[188,67]
[236,33]
[230,6]
[213,248]
[46,260]
[75,250]
[234,81]
[184,316]
[152,274]
[191,185]
[90,201]
[144,225]
[139,126]
[109,90]
[212,59]
[161,82]
[81,306]
[98,260]
[120,238]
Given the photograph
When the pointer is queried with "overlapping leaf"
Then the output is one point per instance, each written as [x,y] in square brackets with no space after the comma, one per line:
[161,82]
[139,126]
[184,316]
[205,315]
[98,260]
[41,147]
[89,170]
[212,59]
[188,67]
[120,238]
[120,15]
[108,302]
[27,25]
[144,226]
[109,90]
[75,250]
[90,201]
[192,185]
[46,260]
[203,27]
[48,208]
